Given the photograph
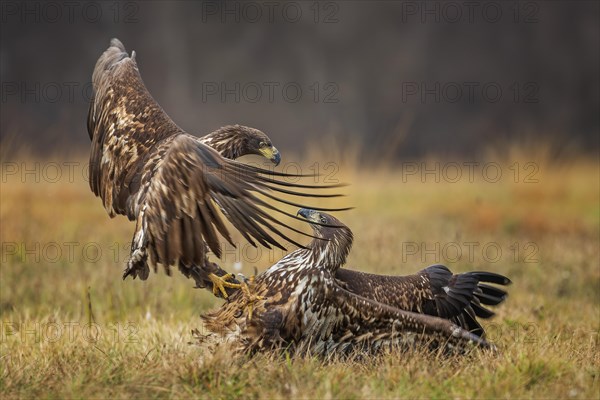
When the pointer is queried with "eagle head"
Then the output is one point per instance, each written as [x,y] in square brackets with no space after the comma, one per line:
[332,237]
[234,141]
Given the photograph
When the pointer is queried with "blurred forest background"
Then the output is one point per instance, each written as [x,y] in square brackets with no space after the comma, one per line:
[400,79]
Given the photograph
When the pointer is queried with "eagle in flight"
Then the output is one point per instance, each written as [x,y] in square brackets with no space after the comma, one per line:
[175,186]
[307,303]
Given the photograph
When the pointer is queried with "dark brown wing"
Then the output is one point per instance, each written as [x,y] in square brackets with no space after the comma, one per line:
[360,319]
[181,199]
[125,125]
[433,291]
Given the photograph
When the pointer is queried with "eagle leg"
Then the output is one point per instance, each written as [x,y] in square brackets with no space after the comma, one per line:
[219,283]
[250,299]
[137,266]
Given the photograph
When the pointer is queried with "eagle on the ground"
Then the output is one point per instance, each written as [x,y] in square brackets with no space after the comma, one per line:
[304,306]
[177,187]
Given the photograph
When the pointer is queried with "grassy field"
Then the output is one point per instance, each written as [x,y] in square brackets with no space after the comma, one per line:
[71,328]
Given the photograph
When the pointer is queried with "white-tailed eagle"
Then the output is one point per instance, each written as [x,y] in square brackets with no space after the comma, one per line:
[177,187]
[303,304]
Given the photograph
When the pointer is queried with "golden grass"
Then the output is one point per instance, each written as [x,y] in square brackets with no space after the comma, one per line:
[72,328]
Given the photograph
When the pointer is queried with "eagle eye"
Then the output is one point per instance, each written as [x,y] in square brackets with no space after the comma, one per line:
[323,220]
[262,144]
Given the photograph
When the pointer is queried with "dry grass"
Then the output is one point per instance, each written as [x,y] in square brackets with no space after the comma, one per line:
[55,284]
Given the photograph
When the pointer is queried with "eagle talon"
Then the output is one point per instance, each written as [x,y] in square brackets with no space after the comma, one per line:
[250,299]
[221,282]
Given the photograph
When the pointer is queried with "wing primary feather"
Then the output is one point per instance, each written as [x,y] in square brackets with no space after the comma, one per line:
[259,232]
[489,300]
[279,233]
[187,240]
[237,219]
[291,203]
[245,168]
[208,231]
[492,291]
[301,185]
[271,207]
[278,222]
[491,277]
[482,312]
[299,194]
[253,229]
[218,221]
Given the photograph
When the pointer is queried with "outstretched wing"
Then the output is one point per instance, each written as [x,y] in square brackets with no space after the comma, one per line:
[144,166]
[356,322]
[180,203]
[125,125]
[433,291]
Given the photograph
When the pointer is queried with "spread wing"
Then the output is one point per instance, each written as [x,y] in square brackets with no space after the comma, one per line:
[433,291]
[144,166]
[358,322]
[180,203]
[126,125]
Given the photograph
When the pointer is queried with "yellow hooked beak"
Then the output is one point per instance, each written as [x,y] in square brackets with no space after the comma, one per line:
[271,153]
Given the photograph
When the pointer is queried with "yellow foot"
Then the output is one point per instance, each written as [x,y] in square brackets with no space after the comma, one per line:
[221,282]
[250,298]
